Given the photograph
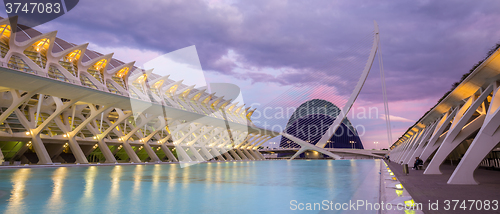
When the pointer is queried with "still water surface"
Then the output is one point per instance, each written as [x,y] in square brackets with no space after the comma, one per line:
[221,187]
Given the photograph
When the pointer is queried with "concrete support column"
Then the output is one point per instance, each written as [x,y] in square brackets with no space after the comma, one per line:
[196,154]
[183,156]
[233,153]
[206,153]
[2,158]
[425,139]
[450,144]
[405,147]
[108,155]
[255,156]
[36,141]
[486,139]
[260,154]
[435,140]
[131,153]
[41,152]
[226,154]
[411,146]
[216,154]
[151,153]
[73,144]
[77,151]
[249,156]
[168,153]
[110,158]
[458,131]
[243,156]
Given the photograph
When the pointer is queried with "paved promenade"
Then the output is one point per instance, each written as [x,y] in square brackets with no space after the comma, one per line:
[425,188]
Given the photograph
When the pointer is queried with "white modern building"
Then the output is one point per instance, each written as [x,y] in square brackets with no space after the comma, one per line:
[63,103]
[462,128]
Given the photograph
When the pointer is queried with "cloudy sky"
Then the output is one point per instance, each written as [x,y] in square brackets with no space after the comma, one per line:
[269,46]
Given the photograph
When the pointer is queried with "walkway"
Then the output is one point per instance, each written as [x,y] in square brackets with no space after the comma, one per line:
[433,187]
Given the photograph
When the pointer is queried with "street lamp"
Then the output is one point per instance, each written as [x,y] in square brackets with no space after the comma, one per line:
[352,143]
[376,144]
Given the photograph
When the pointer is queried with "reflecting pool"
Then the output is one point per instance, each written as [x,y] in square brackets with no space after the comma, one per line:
[218,187]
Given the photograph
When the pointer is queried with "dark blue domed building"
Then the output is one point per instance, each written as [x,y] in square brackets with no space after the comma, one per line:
[312,119]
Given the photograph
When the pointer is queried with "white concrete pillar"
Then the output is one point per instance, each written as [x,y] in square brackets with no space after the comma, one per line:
[196,154]
[249,156]
[458,127]
[233,153]
[216,153]
[206,153]
[411,145]
[36,141]
[436,139]
[241,154]
[181,153]
[486,139]
[168,153]
[423,142]
[226,154]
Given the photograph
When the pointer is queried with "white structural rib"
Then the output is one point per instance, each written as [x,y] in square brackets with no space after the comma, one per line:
[333,128]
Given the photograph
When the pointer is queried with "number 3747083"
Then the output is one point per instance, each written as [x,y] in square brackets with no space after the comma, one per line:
[33,8]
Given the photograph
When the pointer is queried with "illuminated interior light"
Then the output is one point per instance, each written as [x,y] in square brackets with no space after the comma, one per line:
[158,84]
[224,105]
[238,109]
[74,55]
[399,192]
[394,178]
[42,45]
[197,96]
[100,64]
[392,173]
[122,72]
[185,93]
[214,104]
[172,89]
[6,31]
[206,100]
[142,78]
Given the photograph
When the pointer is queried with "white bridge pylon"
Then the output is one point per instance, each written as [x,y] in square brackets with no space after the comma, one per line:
[319,147]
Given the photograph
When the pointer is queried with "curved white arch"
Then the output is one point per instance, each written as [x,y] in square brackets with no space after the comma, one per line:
[319,147]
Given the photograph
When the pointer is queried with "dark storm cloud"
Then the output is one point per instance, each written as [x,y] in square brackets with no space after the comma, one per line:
[427,45]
